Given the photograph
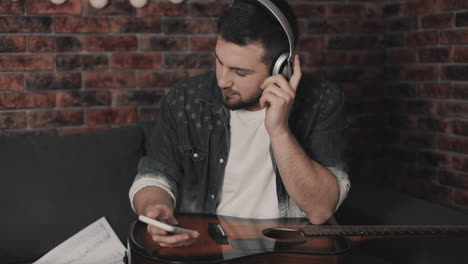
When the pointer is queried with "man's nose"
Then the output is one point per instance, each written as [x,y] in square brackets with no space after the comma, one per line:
[225,77]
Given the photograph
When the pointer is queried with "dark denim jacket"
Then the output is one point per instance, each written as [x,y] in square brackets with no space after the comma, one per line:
[190,144]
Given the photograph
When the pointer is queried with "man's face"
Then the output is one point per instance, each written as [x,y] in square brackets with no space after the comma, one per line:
[240,72]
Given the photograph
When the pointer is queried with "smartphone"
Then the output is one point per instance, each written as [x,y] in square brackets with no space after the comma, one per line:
[164,226]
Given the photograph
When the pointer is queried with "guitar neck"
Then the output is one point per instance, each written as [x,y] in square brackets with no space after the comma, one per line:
[311,230]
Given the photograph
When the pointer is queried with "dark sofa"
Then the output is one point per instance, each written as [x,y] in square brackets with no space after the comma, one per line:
[53,186]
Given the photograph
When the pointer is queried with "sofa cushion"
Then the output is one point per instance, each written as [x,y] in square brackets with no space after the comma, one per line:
[53,186]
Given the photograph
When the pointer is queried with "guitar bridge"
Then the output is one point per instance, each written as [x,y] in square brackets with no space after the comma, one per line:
[216,231]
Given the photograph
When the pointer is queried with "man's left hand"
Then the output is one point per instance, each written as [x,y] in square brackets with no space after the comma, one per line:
[278,97]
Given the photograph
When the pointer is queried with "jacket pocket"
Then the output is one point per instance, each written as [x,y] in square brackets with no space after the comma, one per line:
[194,153]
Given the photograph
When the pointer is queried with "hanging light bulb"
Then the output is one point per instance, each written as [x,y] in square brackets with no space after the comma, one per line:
[138,3]
[98,4]
[58,2]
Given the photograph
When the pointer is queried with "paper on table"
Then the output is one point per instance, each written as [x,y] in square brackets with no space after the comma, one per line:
[97,243]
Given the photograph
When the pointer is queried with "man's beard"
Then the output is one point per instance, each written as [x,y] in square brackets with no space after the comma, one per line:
[242,104]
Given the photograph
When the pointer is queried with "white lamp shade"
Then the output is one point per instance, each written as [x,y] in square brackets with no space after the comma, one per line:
[138,3]
[58,2]
[98,4]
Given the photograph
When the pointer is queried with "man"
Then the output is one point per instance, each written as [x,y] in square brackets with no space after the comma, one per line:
[240,142]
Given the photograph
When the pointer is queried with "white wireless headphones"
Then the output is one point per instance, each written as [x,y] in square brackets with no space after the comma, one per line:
[284,63]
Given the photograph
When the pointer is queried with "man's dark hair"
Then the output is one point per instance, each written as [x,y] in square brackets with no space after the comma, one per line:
[248,21]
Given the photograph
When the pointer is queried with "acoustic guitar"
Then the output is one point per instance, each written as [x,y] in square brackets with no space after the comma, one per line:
[284,240]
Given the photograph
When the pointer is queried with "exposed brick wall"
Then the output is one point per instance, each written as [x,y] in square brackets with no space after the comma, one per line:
[402,63]
[426,99]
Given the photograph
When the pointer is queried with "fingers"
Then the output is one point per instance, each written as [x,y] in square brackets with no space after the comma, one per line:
[176,240]
[296,77]
[165,214]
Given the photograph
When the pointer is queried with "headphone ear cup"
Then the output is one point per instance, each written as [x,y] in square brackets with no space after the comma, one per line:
[282,66]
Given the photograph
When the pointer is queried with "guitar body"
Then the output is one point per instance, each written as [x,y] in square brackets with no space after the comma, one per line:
[238,240]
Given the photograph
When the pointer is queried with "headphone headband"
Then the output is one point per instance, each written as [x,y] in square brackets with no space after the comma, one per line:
[283,22]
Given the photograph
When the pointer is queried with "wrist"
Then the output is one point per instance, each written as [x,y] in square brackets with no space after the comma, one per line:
[279,133]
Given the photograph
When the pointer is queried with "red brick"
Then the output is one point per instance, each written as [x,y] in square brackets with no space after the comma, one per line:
[458,109]
[460,54]
[136,25]
[26,100]
[455,72]
[73,131]
[460,91]
[53,81]
[189,61]
[457,36]
[345,10]
[331,58]
[401,55]
[452,178]
[160,79]
[72,7]
[111,116]
[367,26]
[13,120]
[81,24]
[26,63]
[460,127]
[460,198]
[55,118]
[422,107]
[453,144]
[109,79]
[189,26]
[163,9]
[310,10]
[12,7]
[202,43]
[419,72]
[11,82]
[136,61]
[434,55]
[139,97]
[453,4]
[12,44]
[438,21]
[366,57]
[311,43]
[210,9]
[402,24]
[55,44]
[81,62]
[83,98]
[421,6]
[356,42]
[166,43]
[25,24]
[327,26]
[422,38]
[434,90]
[111,43]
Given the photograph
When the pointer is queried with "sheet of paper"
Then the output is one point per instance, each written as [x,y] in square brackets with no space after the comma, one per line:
[97,243]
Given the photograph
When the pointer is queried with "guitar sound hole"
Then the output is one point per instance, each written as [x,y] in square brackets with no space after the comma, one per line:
[283,234]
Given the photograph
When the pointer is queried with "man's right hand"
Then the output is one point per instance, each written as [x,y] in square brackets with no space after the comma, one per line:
[163,213]
[156,203]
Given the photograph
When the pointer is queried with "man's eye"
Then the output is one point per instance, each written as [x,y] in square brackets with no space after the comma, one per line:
[241,74]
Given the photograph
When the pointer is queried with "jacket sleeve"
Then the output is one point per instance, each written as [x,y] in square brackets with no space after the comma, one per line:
[326,140]
[162,164]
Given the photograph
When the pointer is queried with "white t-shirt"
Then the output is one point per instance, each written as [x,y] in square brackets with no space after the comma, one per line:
[249,187]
